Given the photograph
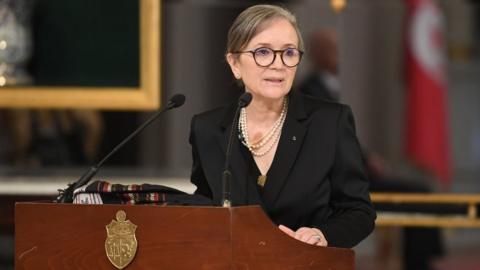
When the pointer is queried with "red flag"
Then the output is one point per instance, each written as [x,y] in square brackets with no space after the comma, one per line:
[427,142]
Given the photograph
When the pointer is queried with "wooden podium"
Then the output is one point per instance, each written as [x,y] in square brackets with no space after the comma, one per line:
[67,236]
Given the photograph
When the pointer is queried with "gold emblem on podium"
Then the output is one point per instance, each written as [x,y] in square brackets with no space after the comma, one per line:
[121,244]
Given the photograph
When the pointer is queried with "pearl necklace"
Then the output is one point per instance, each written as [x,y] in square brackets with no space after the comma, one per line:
[270,137]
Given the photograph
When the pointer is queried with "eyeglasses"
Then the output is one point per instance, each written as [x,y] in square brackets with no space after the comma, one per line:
[264,57]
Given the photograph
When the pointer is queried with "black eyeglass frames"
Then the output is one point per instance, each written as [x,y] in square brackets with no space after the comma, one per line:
[264,56]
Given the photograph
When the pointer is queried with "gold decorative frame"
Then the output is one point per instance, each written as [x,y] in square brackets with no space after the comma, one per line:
[145,97]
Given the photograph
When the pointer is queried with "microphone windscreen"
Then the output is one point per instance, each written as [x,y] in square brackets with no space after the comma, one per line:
[244,99]
[177,100]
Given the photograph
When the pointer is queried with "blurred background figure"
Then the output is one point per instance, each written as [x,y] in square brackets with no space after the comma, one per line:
[41,138]
[323,81]
[420,246]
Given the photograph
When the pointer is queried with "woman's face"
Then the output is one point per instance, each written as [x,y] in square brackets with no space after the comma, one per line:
[274,81]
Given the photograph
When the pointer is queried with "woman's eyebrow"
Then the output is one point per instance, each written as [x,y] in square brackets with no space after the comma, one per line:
[270,45]
[263,45]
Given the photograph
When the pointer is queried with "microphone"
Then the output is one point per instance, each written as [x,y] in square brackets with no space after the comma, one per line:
[66,195]
[243,101]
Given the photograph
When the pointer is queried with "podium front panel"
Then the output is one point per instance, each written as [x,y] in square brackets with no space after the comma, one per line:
[259,244]
[65,236]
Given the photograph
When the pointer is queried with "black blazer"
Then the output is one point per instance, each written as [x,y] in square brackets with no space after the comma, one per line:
[317,179]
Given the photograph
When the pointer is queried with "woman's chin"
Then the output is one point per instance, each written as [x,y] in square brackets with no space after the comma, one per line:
[272,96]
[273,93]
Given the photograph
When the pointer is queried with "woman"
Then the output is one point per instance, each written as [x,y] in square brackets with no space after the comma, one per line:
[296,156]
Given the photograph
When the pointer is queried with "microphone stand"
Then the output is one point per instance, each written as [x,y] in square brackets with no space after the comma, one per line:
[227,174]
[66,195]
[243,101]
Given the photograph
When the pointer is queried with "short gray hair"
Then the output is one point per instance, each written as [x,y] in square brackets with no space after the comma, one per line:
[247,23]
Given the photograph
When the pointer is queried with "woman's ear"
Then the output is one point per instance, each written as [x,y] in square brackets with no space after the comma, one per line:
[233,63]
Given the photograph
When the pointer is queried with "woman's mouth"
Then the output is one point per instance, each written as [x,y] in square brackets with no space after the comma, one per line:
[274,80]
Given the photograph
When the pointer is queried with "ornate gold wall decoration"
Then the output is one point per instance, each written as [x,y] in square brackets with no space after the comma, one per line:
[146,96]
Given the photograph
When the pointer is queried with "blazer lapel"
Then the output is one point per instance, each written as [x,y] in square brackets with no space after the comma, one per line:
[289,145]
